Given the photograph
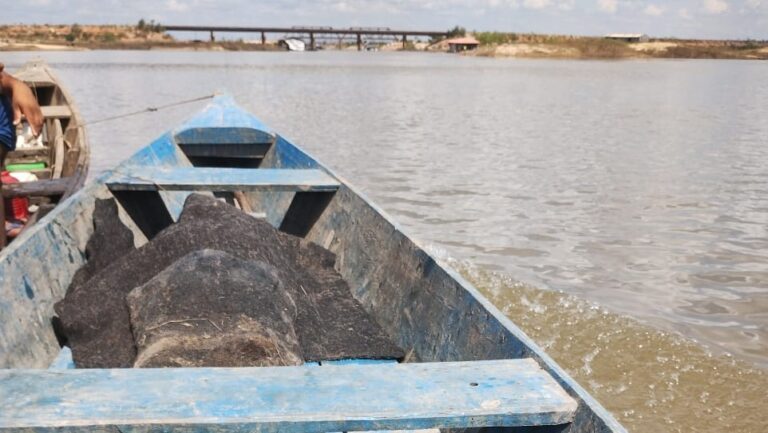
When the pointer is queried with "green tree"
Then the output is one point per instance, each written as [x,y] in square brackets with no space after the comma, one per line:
[108,37]
[154,27]
[74,33]
[457,32]
[141,25]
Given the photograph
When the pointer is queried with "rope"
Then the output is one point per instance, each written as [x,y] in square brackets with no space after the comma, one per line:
[149,109]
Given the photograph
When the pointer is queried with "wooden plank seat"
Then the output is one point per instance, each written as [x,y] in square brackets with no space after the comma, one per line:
[226,150]
[56,111]
[286,399]
[30,151]
[47,187]
[221,179]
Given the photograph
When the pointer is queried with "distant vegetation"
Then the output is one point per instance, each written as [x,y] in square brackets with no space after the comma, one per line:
[510,44]
[75,32]
[601,48]
[151,35]
[457,32]
[489,38]
[149,27]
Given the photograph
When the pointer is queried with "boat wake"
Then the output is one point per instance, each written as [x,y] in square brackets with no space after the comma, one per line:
[651,380]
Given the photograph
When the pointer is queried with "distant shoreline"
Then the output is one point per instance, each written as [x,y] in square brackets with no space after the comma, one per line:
[659,49]
[492,44]
[172,46]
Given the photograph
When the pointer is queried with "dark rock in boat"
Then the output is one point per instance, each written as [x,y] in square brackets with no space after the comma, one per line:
[330,323]
[110,241]
[336,326]
[248,318]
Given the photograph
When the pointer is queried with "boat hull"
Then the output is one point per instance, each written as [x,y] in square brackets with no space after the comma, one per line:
[425,307]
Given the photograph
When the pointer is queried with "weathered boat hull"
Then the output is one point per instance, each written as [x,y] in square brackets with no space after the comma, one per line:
[424,307]
[65,153]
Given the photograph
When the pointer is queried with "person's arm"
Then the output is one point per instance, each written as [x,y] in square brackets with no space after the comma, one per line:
[23,101]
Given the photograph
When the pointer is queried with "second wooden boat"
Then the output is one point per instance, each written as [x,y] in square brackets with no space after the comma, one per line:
[59,160]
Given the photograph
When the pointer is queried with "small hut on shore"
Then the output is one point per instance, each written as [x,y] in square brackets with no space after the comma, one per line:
[458,45]
[628,37]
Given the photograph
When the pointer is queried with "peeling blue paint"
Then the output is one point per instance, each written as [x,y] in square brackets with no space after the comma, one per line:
[28,288]
[424,306]
[382,396]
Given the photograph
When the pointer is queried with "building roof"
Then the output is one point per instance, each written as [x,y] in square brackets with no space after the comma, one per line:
[624,35]
[463,41]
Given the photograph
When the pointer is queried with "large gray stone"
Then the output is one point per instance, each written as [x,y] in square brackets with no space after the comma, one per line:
[330,323]
[211,309]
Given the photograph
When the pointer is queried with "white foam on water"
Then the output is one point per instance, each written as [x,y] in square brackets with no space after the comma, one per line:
[651,380]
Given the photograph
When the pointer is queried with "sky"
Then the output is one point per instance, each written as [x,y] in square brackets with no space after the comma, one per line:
[703,19]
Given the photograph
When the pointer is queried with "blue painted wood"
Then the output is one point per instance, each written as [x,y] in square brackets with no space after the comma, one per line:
[289,156]
[359,361]
[221,179]
[203,135]
[63,361]
[355,361]
[422,304]
[35,271]
[285,399]
[224,112]
[162,152]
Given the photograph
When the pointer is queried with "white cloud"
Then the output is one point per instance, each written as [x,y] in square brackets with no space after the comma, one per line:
[566,5]
[608,5]
[755,5]
[496,3]
[684,14]
[654,10]
[715,6]
[175,6]
[536,4]
[343,7]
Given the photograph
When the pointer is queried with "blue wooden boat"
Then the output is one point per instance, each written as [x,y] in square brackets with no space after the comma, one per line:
[468,366]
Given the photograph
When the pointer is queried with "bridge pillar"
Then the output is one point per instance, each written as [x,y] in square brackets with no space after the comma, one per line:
[405,41]
[263,39]
[359,42]
[213,39]
[311,41]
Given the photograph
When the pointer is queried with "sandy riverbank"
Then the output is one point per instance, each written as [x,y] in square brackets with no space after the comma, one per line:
[4,46]
[596,48]
[492,44]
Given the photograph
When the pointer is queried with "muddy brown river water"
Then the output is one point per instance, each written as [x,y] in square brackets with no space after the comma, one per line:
[617,211]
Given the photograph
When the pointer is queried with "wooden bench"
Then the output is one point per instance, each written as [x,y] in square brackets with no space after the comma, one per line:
[286,399]
[48,187]
[221,179]
[56,111]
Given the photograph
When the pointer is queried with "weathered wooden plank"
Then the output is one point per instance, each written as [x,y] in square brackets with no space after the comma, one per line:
[56,111]
[147,209]
[221,179]
[285,399]
[304,211]
[226,150]
[63,361]
[30,151]
[49,187]
[219,136]
[163,152]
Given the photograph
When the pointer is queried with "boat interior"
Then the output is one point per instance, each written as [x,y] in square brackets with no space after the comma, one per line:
[457,343]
